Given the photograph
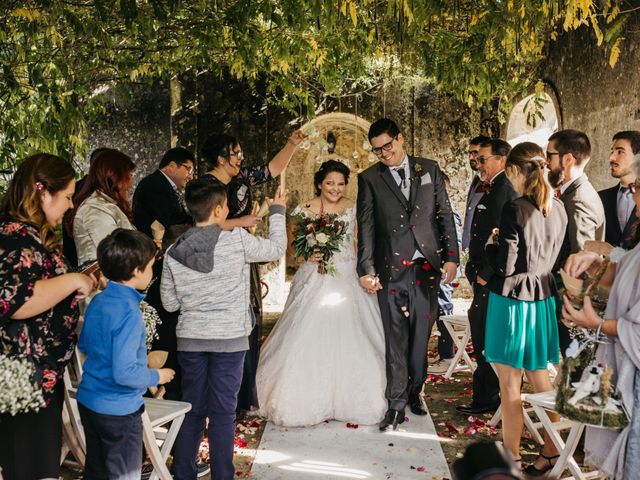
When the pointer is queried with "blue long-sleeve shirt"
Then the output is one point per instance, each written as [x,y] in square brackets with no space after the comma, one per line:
[113,338]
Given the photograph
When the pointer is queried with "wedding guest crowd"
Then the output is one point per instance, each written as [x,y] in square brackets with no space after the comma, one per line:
[528,214]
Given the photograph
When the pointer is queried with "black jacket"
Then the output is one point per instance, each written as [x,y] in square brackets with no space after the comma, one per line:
[486,217]
[528,245]
[155,199]
[612,233]
[391,228]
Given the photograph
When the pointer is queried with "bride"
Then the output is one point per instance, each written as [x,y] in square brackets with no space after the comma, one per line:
[325,357]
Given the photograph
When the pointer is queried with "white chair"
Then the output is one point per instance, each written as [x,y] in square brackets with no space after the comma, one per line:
[460,331]
[533,427]
[157,437]
[542,404]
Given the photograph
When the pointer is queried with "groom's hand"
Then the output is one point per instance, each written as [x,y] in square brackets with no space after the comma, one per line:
[371,283]
[449,270]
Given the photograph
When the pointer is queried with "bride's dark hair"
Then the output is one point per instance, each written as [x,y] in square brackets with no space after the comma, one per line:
[326,168]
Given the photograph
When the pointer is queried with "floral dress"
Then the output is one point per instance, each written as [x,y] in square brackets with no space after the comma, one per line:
[48,338]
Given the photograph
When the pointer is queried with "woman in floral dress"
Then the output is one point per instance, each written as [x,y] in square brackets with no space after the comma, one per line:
[38,310]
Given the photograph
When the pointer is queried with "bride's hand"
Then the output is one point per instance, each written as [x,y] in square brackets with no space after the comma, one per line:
[316,257]
[371,283]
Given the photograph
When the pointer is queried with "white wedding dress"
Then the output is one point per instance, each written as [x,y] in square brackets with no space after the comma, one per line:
[324,358]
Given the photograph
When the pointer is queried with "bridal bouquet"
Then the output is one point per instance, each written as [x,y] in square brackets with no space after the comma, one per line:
[19,389]
[319,234]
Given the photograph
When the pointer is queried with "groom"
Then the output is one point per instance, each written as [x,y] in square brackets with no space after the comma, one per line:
[406,234]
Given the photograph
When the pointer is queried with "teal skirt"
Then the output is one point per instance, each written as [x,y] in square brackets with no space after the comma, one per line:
[522,334]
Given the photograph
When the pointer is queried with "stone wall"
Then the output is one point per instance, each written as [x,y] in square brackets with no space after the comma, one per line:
[138,124]
[592,96]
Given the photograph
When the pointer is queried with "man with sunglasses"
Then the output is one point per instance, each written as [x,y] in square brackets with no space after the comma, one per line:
[495,190]
[568,154]
[157,196]
[406,235]
[473,197]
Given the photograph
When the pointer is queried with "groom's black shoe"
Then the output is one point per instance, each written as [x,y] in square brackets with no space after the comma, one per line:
[415,404]
[392,418]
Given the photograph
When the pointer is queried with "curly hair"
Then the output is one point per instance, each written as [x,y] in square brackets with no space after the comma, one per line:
[325,169]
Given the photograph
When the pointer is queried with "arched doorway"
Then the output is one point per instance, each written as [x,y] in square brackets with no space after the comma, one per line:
[348,143]
[533,119]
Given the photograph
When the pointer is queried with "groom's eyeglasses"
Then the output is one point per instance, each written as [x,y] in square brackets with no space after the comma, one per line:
[386,147]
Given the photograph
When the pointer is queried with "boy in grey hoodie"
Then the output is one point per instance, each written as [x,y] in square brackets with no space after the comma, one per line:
[206,276]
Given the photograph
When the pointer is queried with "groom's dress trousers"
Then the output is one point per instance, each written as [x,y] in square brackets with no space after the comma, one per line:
[486,217]
[406,232]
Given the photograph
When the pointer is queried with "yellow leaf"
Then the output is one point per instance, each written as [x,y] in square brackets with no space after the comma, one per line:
[133,74]
[470,100]
[30,15]
[352,12]
[343,8]
[615,52]
[597,31]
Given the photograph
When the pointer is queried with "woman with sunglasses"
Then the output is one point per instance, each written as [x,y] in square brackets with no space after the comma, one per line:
[223,156]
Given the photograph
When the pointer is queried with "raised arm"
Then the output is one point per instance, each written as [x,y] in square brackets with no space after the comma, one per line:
[283,157]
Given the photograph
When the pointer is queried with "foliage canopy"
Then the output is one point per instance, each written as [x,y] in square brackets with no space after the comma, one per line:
[57,55]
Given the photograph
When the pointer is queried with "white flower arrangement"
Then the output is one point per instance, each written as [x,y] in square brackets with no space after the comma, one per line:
[18,392]
[151,321]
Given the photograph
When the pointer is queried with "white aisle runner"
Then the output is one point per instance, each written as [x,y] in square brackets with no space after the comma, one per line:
[333,451]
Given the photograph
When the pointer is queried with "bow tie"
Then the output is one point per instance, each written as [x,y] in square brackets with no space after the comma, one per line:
[483,187]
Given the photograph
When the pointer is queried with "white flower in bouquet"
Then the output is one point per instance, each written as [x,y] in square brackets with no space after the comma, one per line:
[322,238]
[151,321]
[18,392]
[311,240]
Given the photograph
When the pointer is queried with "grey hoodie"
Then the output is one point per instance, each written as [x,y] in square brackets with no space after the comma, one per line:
[206,276]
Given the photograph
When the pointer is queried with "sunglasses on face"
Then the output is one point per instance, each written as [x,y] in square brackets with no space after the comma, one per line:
[483,159]
[386,147]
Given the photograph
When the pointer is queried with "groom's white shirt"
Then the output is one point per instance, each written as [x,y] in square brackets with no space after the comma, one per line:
[394,173]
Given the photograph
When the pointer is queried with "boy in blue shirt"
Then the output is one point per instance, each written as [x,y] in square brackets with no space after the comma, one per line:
[115,373]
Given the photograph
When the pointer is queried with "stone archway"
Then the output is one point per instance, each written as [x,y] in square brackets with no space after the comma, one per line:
[351,148]
[525,124]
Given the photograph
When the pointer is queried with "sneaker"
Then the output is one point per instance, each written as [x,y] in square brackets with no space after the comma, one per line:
[203,468]
[440,367]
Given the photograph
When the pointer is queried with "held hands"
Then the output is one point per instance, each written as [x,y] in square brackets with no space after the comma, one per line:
[166,375]
[280,198]
[316,257]
[585,318]
[449,271]
[298,137]
[371,283]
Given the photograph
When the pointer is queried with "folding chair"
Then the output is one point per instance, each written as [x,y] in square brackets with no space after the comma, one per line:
[460,337]
[542,404]
[529,424]
[155,418]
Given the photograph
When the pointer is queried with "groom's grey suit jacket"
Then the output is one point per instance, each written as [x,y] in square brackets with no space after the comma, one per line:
[391,228]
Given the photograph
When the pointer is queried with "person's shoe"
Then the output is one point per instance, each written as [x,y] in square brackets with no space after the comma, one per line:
[392,418]
[541,472]
[476,409]
[416,407]
[440,367]
[203,468]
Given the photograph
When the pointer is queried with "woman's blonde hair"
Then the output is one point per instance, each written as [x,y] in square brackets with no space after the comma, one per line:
[39,172]
[530,161]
